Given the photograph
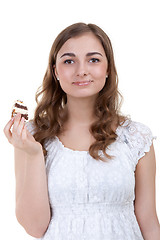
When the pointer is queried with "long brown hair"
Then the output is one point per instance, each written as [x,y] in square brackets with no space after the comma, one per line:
[51,114]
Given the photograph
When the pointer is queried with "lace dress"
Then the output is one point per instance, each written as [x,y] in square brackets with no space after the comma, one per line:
[94,200]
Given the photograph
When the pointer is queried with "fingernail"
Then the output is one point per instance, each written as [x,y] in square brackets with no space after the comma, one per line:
[22,119]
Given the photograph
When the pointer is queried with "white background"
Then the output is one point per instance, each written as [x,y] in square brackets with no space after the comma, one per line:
[28,29]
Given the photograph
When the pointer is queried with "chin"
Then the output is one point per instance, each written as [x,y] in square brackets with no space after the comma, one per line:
[83,95]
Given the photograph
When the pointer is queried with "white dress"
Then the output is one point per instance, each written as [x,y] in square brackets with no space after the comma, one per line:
[94,200]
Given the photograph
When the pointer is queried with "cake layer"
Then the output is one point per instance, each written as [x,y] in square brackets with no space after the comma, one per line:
[20,107]
[20,110]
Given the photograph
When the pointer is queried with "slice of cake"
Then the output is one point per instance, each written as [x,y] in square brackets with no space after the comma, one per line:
[20,107]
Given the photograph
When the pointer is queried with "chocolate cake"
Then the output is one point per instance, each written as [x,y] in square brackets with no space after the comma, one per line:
[20,107]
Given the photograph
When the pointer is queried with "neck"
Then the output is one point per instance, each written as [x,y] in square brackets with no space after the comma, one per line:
[80,110]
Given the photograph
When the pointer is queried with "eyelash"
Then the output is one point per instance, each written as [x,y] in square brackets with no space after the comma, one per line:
[68,60]
[94,60]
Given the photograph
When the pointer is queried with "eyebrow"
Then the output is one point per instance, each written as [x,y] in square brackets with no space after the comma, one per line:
[88,54]
[93,53]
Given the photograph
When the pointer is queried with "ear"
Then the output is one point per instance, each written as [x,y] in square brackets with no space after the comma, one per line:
[107,73]
[55,71]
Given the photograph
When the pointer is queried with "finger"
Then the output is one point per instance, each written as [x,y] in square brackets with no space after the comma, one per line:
[20,126]
[29,134]
[24,133]
[7,130]
[16,122]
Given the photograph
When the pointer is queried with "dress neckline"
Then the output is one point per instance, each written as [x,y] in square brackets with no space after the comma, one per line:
[69,149]
[117,131]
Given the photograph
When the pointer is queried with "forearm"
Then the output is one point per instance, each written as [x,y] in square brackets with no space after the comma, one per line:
[32,203]
[153,234]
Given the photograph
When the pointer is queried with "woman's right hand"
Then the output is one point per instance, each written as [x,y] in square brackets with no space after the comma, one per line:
[20,137]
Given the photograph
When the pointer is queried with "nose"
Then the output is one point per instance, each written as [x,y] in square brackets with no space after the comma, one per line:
[82,69]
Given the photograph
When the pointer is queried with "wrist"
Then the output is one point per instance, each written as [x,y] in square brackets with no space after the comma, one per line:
[36,152]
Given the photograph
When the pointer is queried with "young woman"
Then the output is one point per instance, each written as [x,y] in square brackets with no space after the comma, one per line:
[83,170]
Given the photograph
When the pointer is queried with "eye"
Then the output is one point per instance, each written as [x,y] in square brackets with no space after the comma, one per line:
[68,61]
[94,60]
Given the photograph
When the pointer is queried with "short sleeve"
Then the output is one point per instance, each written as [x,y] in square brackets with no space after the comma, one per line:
[139,138]
[30,127]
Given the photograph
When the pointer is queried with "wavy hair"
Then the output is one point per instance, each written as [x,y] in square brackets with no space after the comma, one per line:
[51,114]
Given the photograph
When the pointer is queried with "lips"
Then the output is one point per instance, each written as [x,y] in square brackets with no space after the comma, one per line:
[82,83]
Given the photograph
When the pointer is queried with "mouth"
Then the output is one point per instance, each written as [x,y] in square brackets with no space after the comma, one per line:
[82,83]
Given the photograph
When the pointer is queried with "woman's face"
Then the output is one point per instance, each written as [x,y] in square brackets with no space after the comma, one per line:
[81,66]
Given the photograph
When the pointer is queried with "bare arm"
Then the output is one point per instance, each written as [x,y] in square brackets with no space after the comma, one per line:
[32,203]
[145,202]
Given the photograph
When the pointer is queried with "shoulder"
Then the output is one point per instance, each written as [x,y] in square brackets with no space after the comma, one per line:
[134,129]
[137,136]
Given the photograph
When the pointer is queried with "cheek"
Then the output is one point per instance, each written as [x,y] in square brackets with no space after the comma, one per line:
[100,75]
[100,71]
[65,75]
[65,72]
